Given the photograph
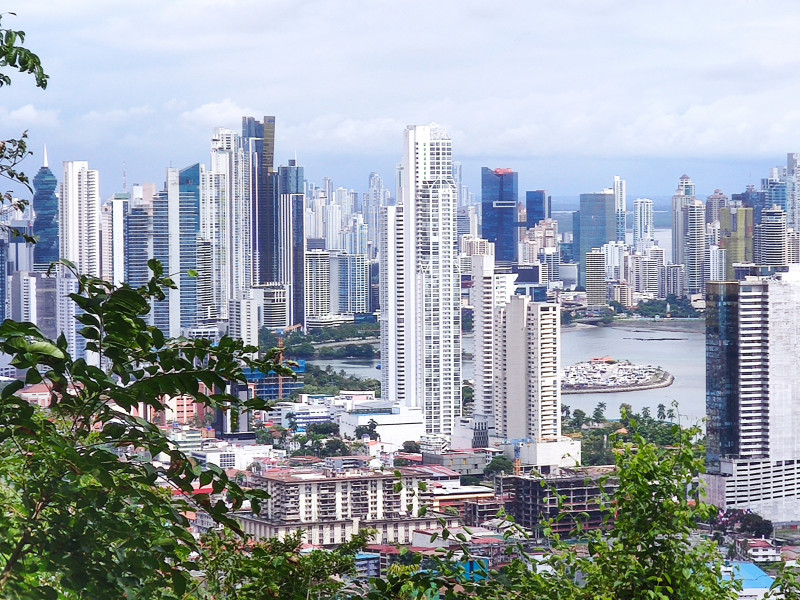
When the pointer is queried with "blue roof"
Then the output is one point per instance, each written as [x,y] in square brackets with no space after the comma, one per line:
[367,556]
[751,576]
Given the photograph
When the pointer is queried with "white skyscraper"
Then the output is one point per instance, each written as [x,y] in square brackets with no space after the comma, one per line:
[79,217]
[643,230]
[693,217]
[112,238]
[230,210]
[318,284]
[489,291]
[420,284]
[684,196]
[527,390]
[620,207]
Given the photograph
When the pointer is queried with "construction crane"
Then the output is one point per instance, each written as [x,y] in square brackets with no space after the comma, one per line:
[517,457]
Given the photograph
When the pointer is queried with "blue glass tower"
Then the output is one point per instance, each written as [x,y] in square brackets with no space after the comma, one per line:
[537,207]
[597,225]
[266,201]
[722,374]
[45,225]
[189,227]
[291,191]
[499,212]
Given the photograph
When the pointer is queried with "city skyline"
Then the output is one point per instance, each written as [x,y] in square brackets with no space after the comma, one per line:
[113,99]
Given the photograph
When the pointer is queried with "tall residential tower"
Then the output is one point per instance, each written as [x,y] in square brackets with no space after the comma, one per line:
[420,284]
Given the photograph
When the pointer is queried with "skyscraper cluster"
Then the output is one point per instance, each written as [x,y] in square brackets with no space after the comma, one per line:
[249,243]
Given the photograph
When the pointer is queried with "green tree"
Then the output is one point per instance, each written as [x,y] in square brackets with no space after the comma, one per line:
[599,414]
[75,478]
[644,551]
[579,419]
[499,464]
[323,428]
[236,570]
[15,56]
[370,429]
[411,447]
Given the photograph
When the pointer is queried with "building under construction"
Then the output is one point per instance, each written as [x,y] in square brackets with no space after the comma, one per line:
[568,498]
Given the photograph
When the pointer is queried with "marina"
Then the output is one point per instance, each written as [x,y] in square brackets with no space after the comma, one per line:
[606,374]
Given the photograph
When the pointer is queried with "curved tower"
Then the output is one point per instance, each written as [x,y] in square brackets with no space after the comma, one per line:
[45,223]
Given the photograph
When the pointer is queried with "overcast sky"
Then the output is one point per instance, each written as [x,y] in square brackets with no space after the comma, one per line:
[567,93]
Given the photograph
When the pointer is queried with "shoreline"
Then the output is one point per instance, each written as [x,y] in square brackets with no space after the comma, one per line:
[667,381]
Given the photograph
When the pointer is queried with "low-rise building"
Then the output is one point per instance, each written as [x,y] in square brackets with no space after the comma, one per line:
[396,423]
[464,462]
[230,456]
[760,550]
[331,507]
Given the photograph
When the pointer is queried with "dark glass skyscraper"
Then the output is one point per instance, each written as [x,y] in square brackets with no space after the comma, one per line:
[597,225]
[537,207]
[499,212]
[291,239]
[45,225]
[259,137]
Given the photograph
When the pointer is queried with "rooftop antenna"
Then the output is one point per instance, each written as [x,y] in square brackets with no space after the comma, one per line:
[45,165]
[124,177]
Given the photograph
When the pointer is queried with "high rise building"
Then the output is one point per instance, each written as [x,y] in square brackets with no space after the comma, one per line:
[112,238]
[79,217]
[527,387]
[45,224]
[715,263]
[318,284]
[770,247]
[246,316]
[596,294]
[684,195]
[22,296]
[420,284]
[349,283]
[537,207]
[596,222]
[291,241]
[175,228]
[793,246]
[376,197]
[752,344]
[694,242]
[259,140]
[714,204]
[490,290]
[736,237]
[232,188]
[499,199]
[165,226]
[620,207]
[643,230]
[675,281]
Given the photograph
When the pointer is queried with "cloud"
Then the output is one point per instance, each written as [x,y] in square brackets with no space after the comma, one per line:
[225,113]
[117,115]
[29,116]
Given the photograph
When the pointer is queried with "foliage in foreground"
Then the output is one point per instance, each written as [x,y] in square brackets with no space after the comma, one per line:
[86,512]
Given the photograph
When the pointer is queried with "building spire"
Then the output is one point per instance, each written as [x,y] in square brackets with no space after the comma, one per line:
[45,165]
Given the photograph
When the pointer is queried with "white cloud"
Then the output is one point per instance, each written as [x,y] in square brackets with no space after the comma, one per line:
[225,113]
[29,116]
[117,115]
